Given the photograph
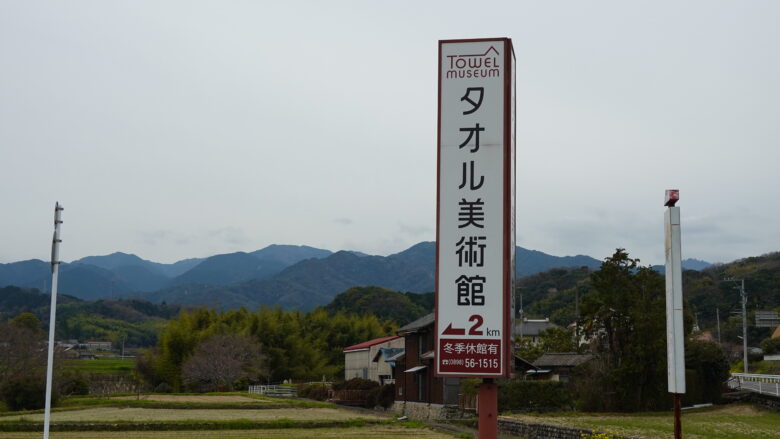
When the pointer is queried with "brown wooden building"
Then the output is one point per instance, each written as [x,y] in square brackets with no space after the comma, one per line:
[415,382]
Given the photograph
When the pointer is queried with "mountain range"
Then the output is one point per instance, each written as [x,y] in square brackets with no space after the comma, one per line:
[294,277]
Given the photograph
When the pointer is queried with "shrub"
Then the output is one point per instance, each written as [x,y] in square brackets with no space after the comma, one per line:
[74,383]
[356,384]
[241,384]
[26,393]
[317,392]
[372,396]
[534,396]
[706,369]
[771,346]
[163,388]
[386,396]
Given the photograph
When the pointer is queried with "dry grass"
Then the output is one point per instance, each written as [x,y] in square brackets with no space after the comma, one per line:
[372,432]
[115,414]
[193,398]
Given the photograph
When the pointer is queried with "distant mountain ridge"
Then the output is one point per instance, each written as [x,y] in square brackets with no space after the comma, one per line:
[315,282]
[297,277]
[120,274]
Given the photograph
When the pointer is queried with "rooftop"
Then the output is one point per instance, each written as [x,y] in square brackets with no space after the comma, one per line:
[532,328]
[563,359]
[368,344]
[418,324]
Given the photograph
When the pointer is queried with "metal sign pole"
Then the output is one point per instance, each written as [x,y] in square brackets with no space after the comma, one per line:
[675,337]
[487,403]
[55,264]
[475,217]
[677,416]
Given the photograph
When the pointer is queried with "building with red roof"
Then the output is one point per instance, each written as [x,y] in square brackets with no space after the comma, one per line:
[368,360]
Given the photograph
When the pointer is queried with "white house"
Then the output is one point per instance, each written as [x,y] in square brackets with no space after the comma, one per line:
[367,360]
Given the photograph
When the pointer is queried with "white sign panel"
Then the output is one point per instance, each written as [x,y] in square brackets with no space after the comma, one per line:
[475,208]
[675,341]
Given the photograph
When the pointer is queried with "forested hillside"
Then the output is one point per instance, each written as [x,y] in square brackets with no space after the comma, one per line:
[137,322]
[552,294]
[401,308]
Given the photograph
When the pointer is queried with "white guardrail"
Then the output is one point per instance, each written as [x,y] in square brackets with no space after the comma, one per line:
[283,391]
[764,384]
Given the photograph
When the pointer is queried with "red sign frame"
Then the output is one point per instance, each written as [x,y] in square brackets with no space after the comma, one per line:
[508,237]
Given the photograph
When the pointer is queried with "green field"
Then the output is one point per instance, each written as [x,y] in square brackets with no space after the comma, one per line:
[737,421]
[223,415]
[119,414]
[371,432]
[103,365]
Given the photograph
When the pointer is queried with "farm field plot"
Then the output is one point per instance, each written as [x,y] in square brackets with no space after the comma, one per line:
[114,414]
[371,432]
[730,422]
[194,398]
[113,366]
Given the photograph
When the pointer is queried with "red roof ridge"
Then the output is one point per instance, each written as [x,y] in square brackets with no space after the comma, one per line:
[368,344]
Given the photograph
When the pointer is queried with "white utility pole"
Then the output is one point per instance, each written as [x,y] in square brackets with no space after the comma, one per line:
[55,270]
[717,316]
[743,300]
[675,341]
[743,296]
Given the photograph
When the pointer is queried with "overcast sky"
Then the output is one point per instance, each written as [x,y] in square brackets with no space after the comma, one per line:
[178,129]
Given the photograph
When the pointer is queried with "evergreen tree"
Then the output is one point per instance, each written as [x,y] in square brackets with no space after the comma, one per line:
[624,316]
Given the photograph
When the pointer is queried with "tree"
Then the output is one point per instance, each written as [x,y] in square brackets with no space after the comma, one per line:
[553,339]
[23,363]
[221,360]
[624,316]
[770,346]
[707,369]
[27,320]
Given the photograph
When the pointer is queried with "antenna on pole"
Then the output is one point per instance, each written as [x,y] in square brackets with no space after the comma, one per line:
[55,265]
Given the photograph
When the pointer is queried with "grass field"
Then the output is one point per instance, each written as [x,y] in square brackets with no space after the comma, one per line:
[113,366]
[120,414]
[224,416]
[371,432]
[729,422]
[193,398]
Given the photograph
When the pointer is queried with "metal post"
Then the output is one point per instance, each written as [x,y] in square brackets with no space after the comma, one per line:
[55,264]
[487,403]
[677,415]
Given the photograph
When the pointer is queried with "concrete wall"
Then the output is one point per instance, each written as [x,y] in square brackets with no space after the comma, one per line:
[356,364]
[424,411]
[545,431]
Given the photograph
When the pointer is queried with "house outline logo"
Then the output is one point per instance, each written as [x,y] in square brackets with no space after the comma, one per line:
[473,65]
[491,48]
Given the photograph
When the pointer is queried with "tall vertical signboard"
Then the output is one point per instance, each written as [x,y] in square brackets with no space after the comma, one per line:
[675,342]
[675,353]
[475,242]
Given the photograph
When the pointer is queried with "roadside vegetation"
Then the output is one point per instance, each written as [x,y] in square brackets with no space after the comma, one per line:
[737,421]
